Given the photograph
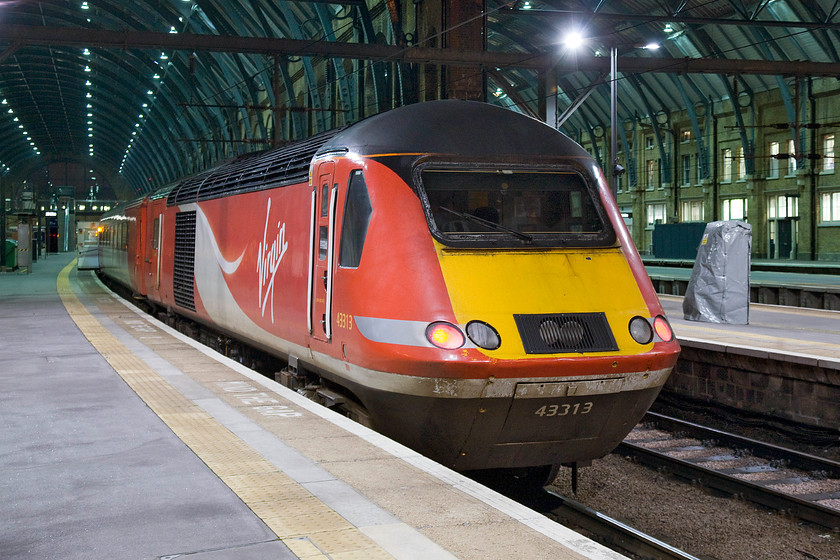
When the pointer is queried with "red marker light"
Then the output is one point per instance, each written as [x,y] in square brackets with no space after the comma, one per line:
[445,335]
[663,329]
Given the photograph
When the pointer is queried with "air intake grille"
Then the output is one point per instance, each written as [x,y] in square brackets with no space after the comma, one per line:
[253,171]
[184,259]
[565,333]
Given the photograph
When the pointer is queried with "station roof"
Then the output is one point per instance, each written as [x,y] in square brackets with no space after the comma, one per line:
[141,93]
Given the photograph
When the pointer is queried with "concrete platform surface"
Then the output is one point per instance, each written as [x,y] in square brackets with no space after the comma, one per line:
[796,334]
[89,471]
[124,439]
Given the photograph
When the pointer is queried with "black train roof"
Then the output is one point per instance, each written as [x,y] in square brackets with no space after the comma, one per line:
[465,128]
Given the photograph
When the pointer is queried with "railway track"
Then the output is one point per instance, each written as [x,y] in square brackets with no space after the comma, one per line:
[802,485]
[611,532]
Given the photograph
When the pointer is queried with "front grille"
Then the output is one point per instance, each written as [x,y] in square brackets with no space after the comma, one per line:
[184,260]
[565,333]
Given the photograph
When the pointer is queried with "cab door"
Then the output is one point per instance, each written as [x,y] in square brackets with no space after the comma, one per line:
[322,244]
[151,259]
[137,247]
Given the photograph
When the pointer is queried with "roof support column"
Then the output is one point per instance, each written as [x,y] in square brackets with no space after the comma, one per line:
[548,96]
[465,27]
[275,88]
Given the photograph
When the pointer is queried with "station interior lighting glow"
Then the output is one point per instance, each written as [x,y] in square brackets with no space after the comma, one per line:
[20,127]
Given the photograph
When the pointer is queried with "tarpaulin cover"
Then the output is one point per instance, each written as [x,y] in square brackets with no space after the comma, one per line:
[719,288]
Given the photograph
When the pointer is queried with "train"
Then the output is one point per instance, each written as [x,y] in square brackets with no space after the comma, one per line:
[453,274]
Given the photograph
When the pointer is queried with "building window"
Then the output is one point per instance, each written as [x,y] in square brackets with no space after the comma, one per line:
[692,211]
[773,165]
[655,214]
[700,173]
[727,165]
[782,206]
[742,164]
[686,136]
[650,168]
[830,207]
[791,162]
[735,209]
[686,170]
[649,142]
[828,153]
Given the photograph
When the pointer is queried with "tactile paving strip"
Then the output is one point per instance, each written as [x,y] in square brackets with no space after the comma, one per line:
[306,525]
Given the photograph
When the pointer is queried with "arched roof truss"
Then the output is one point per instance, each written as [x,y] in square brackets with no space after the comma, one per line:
[157,89]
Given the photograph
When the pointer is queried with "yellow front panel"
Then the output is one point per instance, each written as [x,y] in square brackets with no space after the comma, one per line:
[493,286]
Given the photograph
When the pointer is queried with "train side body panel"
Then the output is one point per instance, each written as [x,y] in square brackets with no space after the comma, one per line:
[251,259]
[121,244]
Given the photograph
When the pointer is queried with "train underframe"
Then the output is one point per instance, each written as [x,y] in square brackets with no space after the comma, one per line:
[526,439]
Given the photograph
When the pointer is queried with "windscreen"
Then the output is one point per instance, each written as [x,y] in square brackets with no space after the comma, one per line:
[514,208]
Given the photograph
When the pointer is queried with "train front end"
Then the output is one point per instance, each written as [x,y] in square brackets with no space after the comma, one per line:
[520,327]
[549,295]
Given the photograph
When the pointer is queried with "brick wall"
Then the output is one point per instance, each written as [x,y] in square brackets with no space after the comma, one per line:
[797,388]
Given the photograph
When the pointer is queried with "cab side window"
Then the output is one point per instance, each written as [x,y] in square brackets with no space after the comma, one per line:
[357,212]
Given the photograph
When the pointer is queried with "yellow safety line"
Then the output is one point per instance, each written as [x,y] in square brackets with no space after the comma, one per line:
[305,524]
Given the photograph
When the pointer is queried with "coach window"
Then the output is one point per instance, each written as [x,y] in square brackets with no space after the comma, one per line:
[156,234]
[357,212]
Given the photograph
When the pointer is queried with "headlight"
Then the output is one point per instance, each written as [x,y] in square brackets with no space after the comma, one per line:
[483,335]
[640,330]
[445,335]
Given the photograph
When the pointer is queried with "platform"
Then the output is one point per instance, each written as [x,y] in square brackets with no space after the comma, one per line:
[124,439]
[785,363]
[792,334]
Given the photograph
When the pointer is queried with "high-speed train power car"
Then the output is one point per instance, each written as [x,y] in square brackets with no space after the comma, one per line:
[451,273]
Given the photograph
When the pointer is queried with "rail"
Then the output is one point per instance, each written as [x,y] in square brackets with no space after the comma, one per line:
[813,488]
[611,532]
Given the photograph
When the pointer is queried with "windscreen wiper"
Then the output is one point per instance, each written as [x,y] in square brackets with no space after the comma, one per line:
[489,224]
